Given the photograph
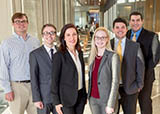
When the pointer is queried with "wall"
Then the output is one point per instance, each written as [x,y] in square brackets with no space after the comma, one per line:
[6,26]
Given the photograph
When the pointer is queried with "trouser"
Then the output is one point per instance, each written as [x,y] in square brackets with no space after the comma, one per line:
[98,107]
[48,108]
[144,97]
[78,108]
[22,99]
[128,102]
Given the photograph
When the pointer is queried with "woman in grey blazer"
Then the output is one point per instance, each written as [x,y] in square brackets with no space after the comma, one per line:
[104,73]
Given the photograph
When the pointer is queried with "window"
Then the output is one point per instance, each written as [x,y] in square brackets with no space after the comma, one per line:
[121,1]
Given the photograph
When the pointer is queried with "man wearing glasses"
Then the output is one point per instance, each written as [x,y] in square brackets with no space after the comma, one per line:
[15,74]
[41,71]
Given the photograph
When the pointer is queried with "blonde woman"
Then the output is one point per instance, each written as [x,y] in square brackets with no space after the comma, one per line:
[104,74]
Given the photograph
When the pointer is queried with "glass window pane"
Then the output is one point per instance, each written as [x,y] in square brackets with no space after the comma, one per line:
[121,1]
[131,0]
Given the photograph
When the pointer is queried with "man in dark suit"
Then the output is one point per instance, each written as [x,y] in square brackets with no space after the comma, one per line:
[151,51]
[41,71]
[132,67]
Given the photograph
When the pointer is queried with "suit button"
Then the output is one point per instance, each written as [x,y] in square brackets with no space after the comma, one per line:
[98,83]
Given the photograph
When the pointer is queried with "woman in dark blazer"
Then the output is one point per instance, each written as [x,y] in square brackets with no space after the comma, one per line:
[104,73]
[69,92]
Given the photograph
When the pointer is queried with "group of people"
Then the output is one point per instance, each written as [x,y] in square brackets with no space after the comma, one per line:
[51,79]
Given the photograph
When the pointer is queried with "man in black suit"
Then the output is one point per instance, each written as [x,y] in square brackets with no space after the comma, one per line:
[41,71]
[132,67]
[151,51]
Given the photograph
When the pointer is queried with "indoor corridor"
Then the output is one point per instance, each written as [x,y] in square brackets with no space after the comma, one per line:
[81,13]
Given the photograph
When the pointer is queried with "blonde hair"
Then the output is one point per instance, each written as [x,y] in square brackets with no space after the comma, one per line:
[94,50]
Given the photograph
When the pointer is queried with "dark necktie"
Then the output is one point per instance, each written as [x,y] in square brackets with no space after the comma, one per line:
[52,54]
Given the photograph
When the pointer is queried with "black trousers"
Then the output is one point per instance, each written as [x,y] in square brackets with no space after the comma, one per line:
[78,108]
[48,108]
[144,97]
[128,102]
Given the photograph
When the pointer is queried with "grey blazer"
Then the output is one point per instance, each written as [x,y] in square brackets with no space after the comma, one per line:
[41,75]
[108,78]
[132,67]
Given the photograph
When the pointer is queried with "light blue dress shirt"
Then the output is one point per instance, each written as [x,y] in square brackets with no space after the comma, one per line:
[14,57]
[137,34]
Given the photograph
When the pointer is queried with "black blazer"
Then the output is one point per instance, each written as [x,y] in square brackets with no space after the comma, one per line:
[132,67]
[41,73]
[150,46]
[65,79]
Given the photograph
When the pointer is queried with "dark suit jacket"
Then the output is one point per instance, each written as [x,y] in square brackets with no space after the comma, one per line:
[132,67]
[65,79]
[41,73]
[151,51]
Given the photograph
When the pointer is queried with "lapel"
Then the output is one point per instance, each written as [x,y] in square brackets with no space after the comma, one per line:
[45,54]
[81,59]
[126,50]
[105,55]
[104,58]
[90,70]
[68,56]
[112,43]
[140,38]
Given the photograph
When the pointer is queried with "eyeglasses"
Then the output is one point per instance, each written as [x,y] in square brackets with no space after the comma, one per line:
[100,38]
[19,21]
[49,33]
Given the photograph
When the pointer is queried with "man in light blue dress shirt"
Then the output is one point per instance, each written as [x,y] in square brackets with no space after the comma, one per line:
[15,74]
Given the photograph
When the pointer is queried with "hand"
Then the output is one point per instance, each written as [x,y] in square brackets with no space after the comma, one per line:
[139,89]
[39,104]
[58,108]
[9,96]
[109,110]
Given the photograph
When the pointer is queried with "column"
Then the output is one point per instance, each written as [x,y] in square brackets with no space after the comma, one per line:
[6,24]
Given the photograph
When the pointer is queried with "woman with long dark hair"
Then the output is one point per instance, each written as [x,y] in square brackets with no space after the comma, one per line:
[69,92]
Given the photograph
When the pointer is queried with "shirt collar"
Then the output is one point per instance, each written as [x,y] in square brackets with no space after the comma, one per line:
[137,33]
[71,52]
[20,37]
[123,40]
[49,49]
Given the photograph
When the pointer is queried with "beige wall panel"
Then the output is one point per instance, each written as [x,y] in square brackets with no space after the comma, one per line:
[6,25]
[33,9]
[157,16]
[148,18]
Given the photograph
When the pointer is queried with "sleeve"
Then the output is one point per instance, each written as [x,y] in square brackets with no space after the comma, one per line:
[115,81]
[34,73]
[155,50]
[140,68]
[56,75]
[4,67]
